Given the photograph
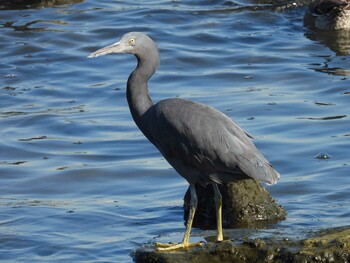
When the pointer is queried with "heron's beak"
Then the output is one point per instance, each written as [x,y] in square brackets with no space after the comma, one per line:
[114,48]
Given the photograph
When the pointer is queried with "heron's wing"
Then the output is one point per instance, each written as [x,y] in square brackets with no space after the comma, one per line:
[205,139]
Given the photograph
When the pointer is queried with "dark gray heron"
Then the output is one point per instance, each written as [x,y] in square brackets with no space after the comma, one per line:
[202,144]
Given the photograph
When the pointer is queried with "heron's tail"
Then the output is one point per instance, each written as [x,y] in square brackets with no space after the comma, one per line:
[271,175]
[259,169]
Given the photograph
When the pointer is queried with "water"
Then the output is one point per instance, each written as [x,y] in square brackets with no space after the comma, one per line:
[80,183]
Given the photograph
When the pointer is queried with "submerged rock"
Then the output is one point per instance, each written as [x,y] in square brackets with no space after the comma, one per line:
[30,4]
[328,14]
[245,203]
[323,156]
[326,246]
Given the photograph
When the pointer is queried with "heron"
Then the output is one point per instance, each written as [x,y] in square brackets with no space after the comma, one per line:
[201,143]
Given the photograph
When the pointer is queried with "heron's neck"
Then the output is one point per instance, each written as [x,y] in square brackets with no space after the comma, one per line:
[137,89]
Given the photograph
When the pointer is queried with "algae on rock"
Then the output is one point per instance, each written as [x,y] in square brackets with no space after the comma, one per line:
[326,246]
[245,203]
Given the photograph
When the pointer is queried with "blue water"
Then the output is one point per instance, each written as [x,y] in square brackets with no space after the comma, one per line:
[80,183]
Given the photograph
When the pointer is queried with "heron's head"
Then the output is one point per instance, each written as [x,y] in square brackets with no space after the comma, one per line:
[136,43]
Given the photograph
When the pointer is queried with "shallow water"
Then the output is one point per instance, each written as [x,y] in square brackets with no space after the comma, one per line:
[80,183]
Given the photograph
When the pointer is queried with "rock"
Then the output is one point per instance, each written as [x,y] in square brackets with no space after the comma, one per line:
[245,204]
[32,4]
[326,246]
[327,15]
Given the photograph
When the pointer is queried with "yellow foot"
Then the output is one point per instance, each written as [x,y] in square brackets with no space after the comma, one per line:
[219,238]
[172,246]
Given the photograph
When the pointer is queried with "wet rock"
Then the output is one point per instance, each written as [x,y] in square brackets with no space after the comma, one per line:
[29,4]
[327,15]
[245,204]
[327,246]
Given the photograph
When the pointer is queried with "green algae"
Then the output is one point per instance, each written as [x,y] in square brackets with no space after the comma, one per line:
[245,204]
[331,245]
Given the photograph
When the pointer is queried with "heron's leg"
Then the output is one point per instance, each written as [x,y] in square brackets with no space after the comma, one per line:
[218,203]
[185,243]
[193,207]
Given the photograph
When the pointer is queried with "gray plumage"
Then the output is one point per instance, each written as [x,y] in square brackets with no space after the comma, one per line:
[202,144]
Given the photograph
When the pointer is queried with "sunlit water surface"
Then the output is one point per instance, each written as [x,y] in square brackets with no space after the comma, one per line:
[80,183]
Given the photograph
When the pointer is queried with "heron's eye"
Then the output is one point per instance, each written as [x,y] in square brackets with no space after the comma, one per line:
[132,41]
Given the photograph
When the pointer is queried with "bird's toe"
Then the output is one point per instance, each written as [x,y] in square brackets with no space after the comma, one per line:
[173,246]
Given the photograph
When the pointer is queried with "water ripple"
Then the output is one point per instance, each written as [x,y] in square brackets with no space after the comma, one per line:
[79,182]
